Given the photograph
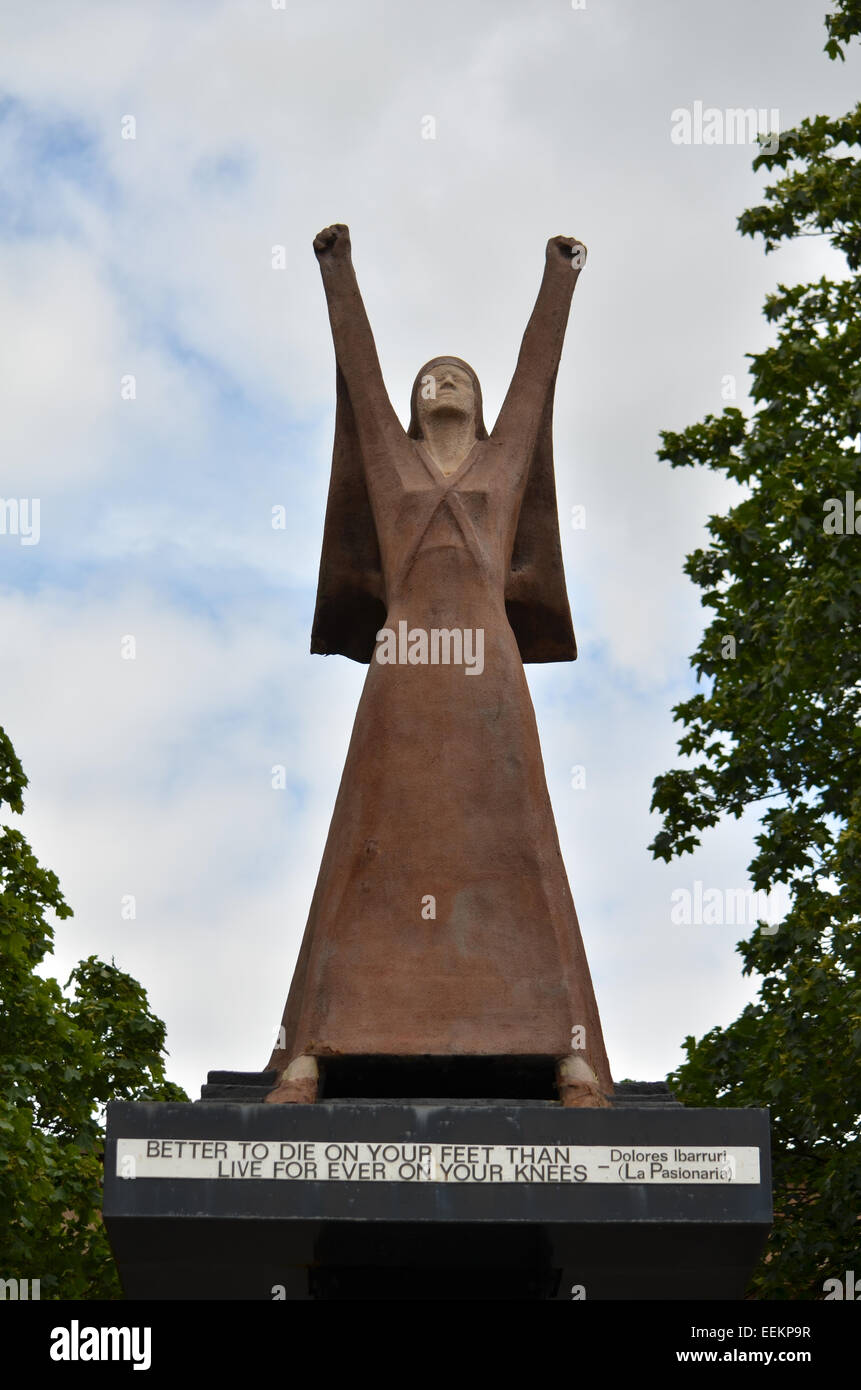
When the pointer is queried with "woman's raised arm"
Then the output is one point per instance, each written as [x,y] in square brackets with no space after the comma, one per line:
[541,348]
[355,350]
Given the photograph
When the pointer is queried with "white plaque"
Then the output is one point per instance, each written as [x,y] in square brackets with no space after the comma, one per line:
[537,1165]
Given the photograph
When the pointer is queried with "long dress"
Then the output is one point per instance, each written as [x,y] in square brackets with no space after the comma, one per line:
[442,922]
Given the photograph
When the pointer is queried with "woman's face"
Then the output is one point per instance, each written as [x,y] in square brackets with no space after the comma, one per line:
[445,389]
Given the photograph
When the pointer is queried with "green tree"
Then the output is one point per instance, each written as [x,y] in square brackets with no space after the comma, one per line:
[62,1057]
[780,723]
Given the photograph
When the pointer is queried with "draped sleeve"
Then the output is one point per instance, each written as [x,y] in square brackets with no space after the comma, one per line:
[350,607]
[536,599]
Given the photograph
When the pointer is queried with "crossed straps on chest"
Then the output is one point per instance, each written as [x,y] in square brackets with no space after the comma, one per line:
[445,496]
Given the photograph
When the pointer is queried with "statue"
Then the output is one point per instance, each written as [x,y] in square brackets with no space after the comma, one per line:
[442,923]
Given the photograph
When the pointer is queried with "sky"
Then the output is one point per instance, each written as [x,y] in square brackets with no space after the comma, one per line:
[167,379]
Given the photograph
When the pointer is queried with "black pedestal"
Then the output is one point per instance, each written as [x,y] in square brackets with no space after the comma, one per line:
[454,1199]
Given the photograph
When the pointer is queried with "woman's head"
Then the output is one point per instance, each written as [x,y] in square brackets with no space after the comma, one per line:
[445,385]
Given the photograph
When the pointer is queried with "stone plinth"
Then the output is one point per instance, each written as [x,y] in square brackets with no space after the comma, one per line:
[455,1199]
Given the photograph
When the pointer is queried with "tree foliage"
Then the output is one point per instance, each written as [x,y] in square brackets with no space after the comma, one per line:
[63,1055]
[779,724]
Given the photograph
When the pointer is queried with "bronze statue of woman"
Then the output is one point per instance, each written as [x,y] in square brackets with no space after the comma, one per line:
[442,924]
